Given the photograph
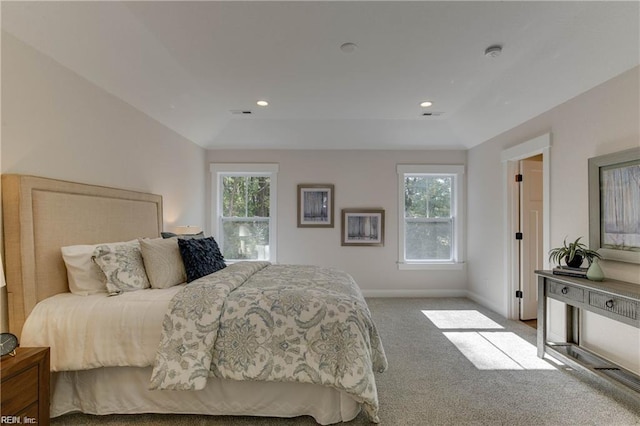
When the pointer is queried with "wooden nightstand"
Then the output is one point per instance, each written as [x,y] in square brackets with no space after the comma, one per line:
[25,387]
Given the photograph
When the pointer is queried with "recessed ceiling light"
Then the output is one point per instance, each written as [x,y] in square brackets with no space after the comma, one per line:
[262,103]
[426,104]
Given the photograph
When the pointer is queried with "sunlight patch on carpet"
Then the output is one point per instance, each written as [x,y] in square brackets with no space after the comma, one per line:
[497,351]
[461,320]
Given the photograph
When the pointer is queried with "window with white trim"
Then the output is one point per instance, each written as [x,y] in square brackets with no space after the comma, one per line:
[430,207]
[244,210]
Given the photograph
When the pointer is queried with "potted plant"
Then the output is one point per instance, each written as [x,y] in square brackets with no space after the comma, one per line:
[573,254]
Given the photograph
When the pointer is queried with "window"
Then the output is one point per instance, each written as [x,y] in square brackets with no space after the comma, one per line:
[244,206]
[430,216]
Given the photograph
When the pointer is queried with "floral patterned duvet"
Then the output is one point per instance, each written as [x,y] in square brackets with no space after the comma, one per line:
[258,321]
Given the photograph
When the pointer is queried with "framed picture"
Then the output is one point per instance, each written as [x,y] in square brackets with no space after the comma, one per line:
[614,205]
[315,206]
[362,227]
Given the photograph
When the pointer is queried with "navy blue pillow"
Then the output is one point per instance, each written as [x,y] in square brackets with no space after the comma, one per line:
[201,256]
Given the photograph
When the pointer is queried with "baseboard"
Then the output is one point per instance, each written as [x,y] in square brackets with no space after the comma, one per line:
[435,293]
[553,337]
[486,303]
[414,293]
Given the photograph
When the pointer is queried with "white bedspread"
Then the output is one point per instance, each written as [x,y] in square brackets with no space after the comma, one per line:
[81,332]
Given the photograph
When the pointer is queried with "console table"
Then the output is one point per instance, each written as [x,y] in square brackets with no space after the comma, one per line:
[613,299]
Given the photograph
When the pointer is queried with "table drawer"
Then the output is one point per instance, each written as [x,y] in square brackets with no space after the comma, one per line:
[20,391]
[566,291]
[613,304]
[31,412]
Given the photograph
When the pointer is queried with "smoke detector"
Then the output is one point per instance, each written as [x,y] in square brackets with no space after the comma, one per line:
[493,51]
[348,47]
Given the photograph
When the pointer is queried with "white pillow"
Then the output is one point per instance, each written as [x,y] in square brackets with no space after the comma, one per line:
[122,265]
[162,262]
[84,276]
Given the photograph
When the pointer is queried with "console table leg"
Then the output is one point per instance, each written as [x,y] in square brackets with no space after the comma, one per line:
[542,317]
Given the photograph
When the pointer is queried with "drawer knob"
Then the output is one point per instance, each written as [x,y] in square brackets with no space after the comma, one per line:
[609,303]
[564,290]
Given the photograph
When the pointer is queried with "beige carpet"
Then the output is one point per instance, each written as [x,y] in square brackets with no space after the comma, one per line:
[430,381]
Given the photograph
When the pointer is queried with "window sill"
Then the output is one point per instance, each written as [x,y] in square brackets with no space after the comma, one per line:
[444,266]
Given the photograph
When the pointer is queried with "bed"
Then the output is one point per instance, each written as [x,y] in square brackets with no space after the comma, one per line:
[42,215]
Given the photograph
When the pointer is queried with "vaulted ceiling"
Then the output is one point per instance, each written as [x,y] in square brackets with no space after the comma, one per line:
[196,66]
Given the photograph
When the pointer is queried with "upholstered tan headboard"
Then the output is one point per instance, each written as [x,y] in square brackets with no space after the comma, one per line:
[41,215]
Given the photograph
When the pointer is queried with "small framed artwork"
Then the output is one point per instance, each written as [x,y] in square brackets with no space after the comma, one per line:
[614,205]
[362,227]
[315,205]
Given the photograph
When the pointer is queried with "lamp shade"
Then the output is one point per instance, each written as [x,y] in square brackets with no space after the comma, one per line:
[188,230]
[243,231]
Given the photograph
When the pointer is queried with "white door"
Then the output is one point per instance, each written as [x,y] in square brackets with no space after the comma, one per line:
[531,228]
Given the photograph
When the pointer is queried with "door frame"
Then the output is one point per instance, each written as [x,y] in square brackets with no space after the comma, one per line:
[510,158]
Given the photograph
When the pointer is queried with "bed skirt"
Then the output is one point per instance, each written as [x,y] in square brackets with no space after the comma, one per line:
[124,390]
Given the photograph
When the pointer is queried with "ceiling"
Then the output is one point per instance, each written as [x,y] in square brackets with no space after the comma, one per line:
[188,65]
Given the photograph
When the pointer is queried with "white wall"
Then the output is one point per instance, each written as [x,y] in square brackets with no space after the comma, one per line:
[361,179]
[58,125]
[603,120]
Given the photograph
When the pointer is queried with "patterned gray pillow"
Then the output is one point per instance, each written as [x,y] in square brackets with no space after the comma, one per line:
[162,262]
[123,266]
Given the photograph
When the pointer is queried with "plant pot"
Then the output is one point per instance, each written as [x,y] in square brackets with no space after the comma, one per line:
[575,262]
